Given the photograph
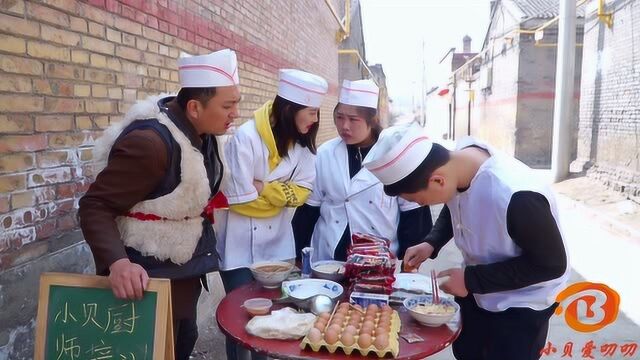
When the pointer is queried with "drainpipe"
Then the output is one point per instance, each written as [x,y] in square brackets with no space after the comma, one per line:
[563,104]
[344,23]
[469,112]
[605,17]
[453,105]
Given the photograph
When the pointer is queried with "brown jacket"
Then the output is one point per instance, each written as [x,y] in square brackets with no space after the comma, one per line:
[137,164]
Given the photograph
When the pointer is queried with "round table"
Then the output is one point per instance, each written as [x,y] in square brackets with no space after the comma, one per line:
[232,320]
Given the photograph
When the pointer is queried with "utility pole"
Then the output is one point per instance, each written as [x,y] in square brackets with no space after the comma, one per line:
[423,117]
[564,103]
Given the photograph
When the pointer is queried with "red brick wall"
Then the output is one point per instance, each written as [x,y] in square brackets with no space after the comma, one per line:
[70,68]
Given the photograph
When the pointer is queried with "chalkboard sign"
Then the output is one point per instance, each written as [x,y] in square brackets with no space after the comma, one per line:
[80,318]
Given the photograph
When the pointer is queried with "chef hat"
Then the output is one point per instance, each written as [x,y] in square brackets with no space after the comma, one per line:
[302,87]
[217,69]
[359,93]
[398,152]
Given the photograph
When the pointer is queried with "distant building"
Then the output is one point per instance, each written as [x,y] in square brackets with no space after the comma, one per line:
[507,96]
[609,127]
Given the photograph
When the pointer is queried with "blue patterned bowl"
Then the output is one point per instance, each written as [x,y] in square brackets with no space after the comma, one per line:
[305,288]
[430,318]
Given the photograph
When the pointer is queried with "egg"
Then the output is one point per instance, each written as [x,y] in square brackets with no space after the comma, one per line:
[373,308]
[314,335]
[354,322]
[382,341]
[335,327]
[381,331]
[343,306]
[384,324]
[320,325]
[347,338]
[330,336]
[366,329]
[356,315]
[383,319]
[325,316]
[386,308]
[358,308]
[338,323]
[365,341]
[350,329]
[368,323]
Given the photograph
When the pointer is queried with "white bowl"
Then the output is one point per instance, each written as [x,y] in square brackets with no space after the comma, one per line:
[258,306]
[318,272]
[431,319]
[271,279]
[305,288]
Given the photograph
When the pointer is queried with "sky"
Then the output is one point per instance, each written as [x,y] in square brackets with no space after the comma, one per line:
[394,31]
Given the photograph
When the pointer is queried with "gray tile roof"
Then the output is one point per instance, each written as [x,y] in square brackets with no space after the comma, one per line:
[541,8]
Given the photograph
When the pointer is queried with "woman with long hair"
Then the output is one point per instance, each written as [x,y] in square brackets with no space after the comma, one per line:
[271,165]
[346,197]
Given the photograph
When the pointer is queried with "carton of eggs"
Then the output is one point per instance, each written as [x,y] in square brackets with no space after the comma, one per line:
[351,327]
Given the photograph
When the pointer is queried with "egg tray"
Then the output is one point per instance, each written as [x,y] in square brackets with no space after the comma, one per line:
[393,348]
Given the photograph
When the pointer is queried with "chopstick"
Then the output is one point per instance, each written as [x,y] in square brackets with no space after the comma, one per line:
[434,287]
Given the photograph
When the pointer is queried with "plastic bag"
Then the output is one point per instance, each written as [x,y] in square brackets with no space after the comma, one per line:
[285,324]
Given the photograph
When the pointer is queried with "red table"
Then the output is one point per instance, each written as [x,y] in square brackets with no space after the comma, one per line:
[232,320]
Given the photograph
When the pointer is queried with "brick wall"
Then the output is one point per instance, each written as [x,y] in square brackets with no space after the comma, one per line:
[350,67]
[70,68]
[536,96]
[492,118]
[609,146]
[514,110]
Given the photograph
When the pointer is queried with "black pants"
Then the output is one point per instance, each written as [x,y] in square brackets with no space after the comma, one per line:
[513,334]
[186,332]
[184,296]
[232,280]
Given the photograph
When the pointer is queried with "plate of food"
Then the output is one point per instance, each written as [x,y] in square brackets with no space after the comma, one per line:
[426,312]
[413,283]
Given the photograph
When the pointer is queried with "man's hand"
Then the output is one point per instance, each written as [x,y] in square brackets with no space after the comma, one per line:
[259,185]
[128,280]
[455,285]
[415,256]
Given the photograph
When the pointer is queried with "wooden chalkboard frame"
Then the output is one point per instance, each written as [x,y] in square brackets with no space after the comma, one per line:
[163,347]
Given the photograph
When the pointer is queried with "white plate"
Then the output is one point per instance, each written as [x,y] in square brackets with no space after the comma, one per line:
[414,283]
[305,288]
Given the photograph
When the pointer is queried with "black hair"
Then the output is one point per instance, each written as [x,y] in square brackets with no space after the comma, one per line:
[419,178]
[202,95]
[285,132]
[370,116]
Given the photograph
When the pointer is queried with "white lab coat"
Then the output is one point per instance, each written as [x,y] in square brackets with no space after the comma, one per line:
[244,240]
[359,201]
[479,218]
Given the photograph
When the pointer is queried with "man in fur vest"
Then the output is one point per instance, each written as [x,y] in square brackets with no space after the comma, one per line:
[144,216]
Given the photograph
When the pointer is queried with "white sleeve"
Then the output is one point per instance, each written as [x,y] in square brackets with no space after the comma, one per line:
[305,172]
[239,188]
[405,205]
[315,199]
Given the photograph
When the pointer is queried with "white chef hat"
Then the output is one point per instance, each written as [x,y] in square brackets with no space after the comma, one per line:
[217,69]
[398,152]
[302,87]
[359,93]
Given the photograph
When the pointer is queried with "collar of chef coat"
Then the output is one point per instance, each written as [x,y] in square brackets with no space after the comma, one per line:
[362,181]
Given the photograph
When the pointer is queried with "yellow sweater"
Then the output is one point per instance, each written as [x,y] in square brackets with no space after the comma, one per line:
[275,195]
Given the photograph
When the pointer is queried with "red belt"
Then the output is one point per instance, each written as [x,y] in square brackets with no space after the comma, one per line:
[219,201]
